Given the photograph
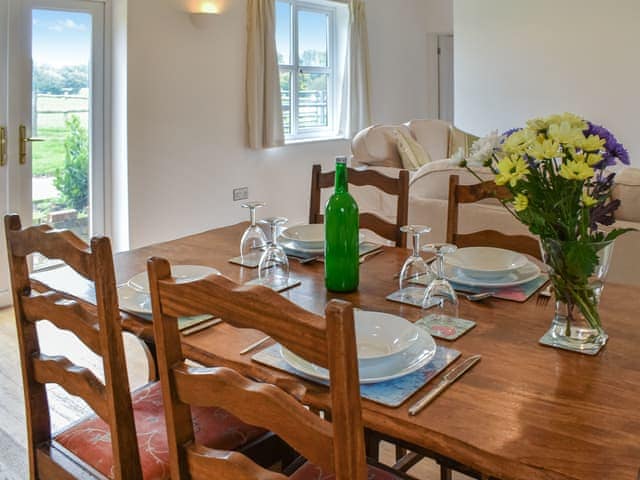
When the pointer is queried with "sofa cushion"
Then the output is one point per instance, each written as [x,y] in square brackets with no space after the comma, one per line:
[433,135]
[432,180]
[412,155]
[627,190]
[376,145]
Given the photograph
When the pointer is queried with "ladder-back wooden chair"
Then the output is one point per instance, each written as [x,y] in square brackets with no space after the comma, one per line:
[335,447]
[126,438]
[393,186]
[484,238]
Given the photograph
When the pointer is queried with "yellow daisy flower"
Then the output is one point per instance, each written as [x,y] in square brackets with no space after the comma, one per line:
[575,170]
[588,200]
[566,134]
[542,149]
[538,124]
[511,170]
[521,202]
[518,142]
[572,119]
[592,144]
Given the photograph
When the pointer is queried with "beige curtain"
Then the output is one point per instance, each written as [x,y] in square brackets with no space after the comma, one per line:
[264,107]
[359,102]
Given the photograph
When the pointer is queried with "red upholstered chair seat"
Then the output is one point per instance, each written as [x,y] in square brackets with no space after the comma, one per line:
[213,427]
[309,471]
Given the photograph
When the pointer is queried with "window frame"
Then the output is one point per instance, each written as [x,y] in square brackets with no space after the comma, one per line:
[294,69]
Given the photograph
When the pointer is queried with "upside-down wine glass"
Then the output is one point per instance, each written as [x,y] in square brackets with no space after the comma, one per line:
[440,295]
[253,239]
[414,267]
[273,270]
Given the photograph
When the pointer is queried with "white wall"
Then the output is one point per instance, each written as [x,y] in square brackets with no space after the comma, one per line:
[516,59]
[186,115]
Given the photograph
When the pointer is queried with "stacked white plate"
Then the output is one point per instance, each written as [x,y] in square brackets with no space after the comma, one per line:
[305,238]
[134,296]
[489,267]
[388,347]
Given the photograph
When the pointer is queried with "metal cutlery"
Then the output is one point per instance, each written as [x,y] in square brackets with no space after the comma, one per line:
[451,376]
[370,254]
[201,326]
[255,345]
[544,296]
[476,297]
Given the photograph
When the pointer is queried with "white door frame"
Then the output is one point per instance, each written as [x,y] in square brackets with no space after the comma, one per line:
[16,86]
[5,295]
[433,74]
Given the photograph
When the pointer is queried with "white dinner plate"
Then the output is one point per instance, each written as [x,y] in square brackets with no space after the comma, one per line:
[418,354]
[134,301]
[486,262]
[182,273]
[517,277]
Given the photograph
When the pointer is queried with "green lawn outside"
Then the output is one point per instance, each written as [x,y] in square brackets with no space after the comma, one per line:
[49,155]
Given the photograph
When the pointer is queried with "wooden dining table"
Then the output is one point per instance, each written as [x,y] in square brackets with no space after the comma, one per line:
[525,412]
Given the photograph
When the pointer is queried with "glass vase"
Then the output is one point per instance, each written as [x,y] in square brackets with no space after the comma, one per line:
[576,324]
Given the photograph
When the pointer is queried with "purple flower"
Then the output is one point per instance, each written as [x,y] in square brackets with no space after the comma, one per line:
[509,132]
[612,148]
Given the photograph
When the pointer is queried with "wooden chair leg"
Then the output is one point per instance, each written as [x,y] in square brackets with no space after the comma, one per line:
[445,473]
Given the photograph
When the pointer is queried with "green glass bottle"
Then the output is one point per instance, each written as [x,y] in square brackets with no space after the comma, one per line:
[341,231]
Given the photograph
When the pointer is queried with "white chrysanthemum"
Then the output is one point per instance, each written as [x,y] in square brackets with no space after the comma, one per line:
[483,148]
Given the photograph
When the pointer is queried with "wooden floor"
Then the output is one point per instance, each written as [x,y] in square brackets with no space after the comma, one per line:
[66,408]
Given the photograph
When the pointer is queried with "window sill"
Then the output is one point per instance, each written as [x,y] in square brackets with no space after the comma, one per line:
[298,141]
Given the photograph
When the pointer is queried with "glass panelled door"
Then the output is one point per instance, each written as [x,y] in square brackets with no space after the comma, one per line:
[55,124]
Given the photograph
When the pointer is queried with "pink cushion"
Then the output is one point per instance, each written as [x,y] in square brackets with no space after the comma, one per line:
[213,427]
[309,471]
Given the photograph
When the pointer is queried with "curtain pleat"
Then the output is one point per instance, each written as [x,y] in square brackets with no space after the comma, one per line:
[264,105]
[359,94]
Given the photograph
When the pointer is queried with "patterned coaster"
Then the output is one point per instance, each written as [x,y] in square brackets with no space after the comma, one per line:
[249,261]
[517,293]
[548,340]
[445,327]
[391,393]
[409,296]
[278,287]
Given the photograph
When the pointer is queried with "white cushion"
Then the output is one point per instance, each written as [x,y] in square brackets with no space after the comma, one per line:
[411,153]
[433,135]
[376,145]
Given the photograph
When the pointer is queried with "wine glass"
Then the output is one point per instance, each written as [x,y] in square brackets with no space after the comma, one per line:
[414,267]
[440,295]
[273,270]
[253,239]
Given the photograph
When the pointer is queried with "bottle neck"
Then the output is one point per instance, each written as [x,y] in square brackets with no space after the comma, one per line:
[341,178]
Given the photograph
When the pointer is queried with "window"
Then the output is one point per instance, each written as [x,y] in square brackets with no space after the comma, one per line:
[311,40]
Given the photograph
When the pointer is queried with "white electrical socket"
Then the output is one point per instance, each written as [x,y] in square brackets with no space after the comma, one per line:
[240,193]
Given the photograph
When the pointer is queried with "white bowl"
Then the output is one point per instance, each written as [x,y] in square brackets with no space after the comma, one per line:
[381,335]
[307,236]
[486,262]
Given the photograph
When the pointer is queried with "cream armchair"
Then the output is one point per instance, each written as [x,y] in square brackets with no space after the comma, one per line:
[375,147]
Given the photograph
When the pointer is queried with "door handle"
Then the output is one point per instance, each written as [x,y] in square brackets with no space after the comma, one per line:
[3,146]
[22,147]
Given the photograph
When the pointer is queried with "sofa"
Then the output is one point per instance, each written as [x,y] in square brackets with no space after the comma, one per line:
[375,147]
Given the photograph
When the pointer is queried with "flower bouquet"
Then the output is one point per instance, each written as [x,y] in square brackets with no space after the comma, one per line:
[557,170]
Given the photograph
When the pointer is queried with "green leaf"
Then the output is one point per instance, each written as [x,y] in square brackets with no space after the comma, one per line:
[580,259]
[615,233]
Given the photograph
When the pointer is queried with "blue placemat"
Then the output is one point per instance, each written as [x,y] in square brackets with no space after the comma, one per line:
[391,393]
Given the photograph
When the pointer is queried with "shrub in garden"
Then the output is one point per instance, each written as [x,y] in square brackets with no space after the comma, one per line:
[72,181]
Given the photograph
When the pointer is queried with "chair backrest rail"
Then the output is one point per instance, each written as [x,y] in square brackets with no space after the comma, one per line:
[66,314]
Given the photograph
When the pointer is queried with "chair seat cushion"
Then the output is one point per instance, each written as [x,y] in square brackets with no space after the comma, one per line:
[309,471]
[213,427]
